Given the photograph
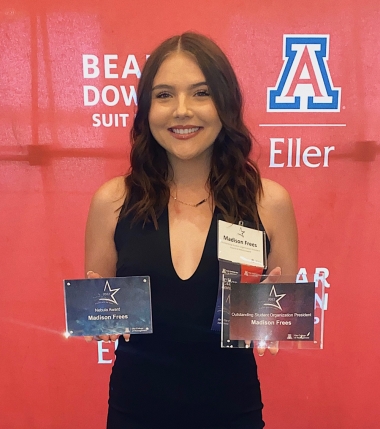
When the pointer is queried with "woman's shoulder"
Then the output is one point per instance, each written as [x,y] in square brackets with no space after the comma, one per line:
[274,195]
[112,192]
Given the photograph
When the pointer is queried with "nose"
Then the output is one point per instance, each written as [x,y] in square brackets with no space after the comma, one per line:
[183,108]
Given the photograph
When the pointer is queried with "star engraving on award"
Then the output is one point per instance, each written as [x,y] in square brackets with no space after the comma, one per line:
[241,233]
[275,298]
[110,294]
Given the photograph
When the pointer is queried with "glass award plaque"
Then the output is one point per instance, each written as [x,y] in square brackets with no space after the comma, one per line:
[269,311]
[107,306]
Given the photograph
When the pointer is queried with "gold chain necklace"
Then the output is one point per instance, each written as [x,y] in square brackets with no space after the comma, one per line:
[191,205]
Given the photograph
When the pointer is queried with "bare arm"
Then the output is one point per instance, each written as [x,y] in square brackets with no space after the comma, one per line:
[277,215]
[100,251]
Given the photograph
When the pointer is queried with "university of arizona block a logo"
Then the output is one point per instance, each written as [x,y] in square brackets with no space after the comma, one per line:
[304,84]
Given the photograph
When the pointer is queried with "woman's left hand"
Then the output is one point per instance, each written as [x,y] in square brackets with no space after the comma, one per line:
[272,346]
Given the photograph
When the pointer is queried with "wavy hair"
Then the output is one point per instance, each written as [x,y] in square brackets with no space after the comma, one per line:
[234,179]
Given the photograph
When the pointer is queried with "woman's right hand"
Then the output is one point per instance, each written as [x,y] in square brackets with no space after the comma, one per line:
[106,338]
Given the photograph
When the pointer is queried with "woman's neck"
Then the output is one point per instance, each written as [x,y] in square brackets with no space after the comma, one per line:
[190,174]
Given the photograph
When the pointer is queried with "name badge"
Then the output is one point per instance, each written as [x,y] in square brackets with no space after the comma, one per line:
[242,245]
[243,250]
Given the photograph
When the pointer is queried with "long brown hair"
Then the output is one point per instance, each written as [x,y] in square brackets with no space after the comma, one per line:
[234,179]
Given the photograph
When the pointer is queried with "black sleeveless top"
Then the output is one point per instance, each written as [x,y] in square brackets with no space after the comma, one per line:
[179,371]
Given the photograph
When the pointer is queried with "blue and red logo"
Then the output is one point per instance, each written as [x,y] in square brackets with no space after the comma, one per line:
[304,84]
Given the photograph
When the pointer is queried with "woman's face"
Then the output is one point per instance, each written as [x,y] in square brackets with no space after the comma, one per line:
[183,118]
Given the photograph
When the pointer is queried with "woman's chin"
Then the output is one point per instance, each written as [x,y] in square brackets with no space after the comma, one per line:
[189,156]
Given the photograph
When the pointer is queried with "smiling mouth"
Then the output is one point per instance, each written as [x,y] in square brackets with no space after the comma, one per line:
[184,131]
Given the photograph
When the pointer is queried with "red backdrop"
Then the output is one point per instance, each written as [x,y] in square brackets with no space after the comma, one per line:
[55,153]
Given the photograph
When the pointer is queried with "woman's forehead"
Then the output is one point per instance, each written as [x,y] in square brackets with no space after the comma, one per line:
[178,68]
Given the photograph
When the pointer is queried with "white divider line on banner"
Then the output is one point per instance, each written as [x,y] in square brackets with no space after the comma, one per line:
[302,125]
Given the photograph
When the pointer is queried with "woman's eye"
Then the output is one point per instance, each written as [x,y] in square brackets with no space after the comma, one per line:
[202,93]
[162,95]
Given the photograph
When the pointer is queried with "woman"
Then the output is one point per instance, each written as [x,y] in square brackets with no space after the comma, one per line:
[189,162]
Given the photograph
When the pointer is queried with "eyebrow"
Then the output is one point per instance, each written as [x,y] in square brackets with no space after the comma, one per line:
[165,86]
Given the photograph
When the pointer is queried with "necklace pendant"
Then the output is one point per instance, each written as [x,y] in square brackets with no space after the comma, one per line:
[200,202]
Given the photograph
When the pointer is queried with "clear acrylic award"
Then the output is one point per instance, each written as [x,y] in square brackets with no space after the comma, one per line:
[107,306]
[266,311]
[263,311]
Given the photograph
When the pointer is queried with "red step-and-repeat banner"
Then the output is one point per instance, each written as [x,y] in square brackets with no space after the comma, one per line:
[68,76]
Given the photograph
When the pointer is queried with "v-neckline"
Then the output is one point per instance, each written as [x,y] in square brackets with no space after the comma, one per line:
[169,248]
